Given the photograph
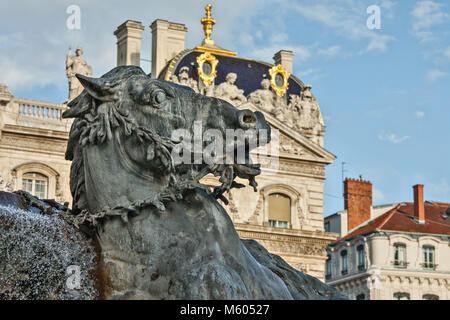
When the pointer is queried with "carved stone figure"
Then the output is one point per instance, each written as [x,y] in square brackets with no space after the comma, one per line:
[183,79]
[76,65]
[229,92]
[5,93]
[264,97]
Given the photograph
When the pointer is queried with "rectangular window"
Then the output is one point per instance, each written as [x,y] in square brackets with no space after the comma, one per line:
[428,258]
[361,257]
[278,224]
[36,184]
[400,255]
[40,189]
[328,268]
[27,185]
[344,262]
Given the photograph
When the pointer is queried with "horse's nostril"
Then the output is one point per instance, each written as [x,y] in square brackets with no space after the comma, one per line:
[247,119]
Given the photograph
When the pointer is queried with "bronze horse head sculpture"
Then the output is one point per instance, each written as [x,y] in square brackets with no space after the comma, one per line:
[162,234]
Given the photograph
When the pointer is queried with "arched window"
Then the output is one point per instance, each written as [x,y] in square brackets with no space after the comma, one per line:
[430,297]
[428,258]
[361,257]
[36,184]
[344,262]
[401,296]
[39,179]
[279,210]
[400,255]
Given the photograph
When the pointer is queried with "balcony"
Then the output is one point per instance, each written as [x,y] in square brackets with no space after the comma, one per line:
[428,266]
[40,110]
[400,264]
[25,116]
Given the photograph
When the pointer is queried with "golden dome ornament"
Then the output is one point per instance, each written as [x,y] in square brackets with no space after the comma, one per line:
[207,64]
[208,24]
[279,80]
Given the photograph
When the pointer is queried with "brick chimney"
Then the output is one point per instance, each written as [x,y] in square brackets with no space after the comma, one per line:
[358,201]
[419,206]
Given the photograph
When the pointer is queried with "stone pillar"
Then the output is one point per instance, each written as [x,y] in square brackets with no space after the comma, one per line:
[284,57]
[167,41]
[129,43]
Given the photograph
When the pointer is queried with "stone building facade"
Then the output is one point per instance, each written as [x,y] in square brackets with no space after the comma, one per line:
[285,214]
[400,251]
[33,140]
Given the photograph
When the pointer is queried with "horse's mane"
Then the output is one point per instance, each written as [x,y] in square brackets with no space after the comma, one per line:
[79,107]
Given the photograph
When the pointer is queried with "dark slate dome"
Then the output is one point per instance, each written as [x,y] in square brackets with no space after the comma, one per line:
[249,72]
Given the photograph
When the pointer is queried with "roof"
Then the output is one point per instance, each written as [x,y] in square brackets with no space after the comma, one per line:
[401,219]
[249,72]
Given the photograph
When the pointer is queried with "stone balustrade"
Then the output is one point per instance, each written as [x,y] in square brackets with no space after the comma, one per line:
[40,109]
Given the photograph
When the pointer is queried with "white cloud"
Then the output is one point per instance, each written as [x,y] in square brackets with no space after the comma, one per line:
[345,18]
[420,114]
[447,52]
[310,74]
[32,52]
[377,195]
[392,137]
[387,9]
[301,53]
[441,188]
[427,14]
[330,52]
[279,37]
[435,75]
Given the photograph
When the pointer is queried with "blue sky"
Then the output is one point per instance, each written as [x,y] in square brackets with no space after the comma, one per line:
[384,94]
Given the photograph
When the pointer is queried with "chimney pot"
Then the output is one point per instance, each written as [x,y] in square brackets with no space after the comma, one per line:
[419,206]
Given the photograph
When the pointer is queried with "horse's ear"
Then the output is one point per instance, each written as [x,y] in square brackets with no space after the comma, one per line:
[101,89]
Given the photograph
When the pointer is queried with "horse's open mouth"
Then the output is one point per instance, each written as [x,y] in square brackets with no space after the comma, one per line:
[247,169]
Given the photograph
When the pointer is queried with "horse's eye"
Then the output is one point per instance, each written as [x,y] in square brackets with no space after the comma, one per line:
[158,96]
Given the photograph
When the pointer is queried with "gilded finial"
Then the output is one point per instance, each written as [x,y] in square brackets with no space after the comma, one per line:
[208,24]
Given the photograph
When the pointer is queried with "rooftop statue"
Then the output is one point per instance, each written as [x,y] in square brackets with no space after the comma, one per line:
[229,92]
[76,65]
[184,79]
[264,97]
